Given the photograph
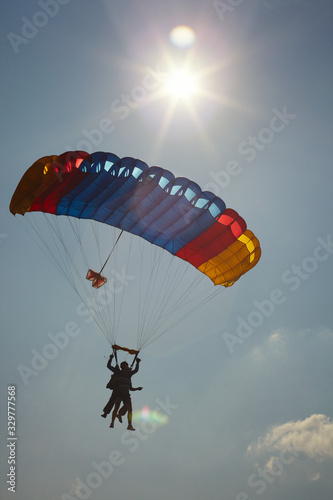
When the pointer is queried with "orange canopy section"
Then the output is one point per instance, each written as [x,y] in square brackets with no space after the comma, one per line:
[45,176]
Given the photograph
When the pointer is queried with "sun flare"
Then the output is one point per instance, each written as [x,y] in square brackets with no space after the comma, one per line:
[180,84]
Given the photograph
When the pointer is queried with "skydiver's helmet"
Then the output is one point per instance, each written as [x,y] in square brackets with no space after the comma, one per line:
[124,365]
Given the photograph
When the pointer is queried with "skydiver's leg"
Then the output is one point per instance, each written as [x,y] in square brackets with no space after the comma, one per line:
[109,405]
[115,411]
[128,404]
[122,411]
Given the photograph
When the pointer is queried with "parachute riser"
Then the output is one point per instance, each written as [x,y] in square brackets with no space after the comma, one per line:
[134,358]
[115,353]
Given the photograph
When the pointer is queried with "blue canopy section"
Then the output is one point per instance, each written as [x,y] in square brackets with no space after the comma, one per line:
[149,202]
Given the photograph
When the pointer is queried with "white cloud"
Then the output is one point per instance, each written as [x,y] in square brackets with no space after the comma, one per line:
[314,476]
[278,336]
[271,464]
[273,347]
[312,436]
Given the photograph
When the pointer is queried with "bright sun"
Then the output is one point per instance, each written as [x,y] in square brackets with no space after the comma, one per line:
[180,84]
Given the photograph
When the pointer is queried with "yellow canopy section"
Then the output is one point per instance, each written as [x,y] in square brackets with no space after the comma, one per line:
[228,266]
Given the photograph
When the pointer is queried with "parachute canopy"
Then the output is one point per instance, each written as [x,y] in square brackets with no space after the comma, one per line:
[172,213]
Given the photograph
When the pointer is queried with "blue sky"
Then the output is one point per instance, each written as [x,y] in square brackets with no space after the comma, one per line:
[244,384]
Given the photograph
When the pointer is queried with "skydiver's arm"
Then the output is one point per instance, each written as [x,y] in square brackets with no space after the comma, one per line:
[136,369]
[136,388]
[109,362]
[112,368]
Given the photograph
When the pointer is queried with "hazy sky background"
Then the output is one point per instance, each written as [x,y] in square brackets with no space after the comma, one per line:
[247,409]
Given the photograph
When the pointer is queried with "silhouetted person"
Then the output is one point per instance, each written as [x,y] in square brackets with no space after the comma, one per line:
[122,395]
[112,384]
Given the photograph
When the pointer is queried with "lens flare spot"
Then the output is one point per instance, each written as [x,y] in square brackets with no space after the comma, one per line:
[145,412]
[182,36]
[150,416]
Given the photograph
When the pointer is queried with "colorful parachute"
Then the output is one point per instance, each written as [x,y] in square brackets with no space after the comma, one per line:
[149,202]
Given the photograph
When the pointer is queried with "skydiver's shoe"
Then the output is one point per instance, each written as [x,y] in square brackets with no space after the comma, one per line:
[130,428]
[119,418]
[104,415]
[112,424]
